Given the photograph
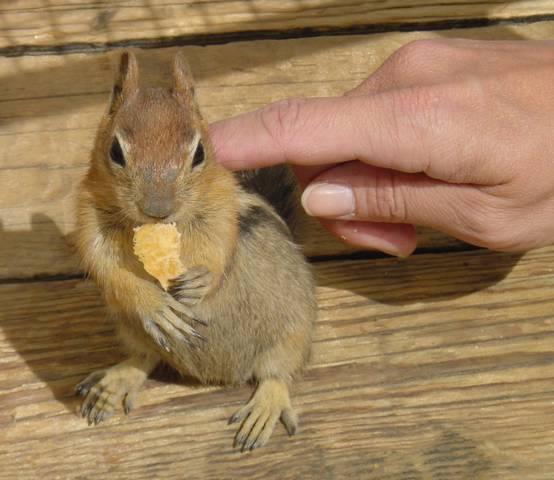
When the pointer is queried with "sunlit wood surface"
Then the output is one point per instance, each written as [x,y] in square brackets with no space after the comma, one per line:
[440,366]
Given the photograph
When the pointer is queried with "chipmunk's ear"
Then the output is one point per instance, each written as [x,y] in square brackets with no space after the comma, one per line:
[182,77]
[126,82]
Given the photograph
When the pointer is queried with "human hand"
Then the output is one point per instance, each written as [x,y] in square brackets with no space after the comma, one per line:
[451,134]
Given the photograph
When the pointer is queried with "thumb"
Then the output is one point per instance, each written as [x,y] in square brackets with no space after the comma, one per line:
[355,191]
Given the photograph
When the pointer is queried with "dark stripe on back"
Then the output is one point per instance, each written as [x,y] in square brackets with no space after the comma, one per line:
[276,185]
[255,216]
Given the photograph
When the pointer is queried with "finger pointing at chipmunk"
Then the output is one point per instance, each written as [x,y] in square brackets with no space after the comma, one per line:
[449,134]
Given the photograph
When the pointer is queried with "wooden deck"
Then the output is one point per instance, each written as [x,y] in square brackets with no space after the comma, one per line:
[440,366]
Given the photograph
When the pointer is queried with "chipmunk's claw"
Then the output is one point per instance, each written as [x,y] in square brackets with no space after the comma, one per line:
[128,403]
[290,421]
[259,416]
[192,286]
[104,390]
[80,390]
[83,388]
[199,336]
[167,329]
[184,309]
[199,320]
[156,333]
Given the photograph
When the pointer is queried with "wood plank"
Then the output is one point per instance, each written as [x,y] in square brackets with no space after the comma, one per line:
[440,366]
[57,22]
[50,107]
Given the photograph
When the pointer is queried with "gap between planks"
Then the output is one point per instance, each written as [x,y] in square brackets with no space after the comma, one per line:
[252,35]
[314,260]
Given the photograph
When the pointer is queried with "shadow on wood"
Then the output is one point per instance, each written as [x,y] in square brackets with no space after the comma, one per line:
[72,325]
[57,327]
[416,279]
[24,252]
[86,80]
[461,385]
[61,341]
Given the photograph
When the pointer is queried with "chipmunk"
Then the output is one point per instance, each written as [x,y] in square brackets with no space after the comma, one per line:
[245,307]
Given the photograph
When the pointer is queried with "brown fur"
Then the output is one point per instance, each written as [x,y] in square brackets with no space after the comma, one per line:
[245,278]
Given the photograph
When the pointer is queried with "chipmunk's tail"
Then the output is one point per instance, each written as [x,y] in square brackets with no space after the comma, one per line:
[278,186]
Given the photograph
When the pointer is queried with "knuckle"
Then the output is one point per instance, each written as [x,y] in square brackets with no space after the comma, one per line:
[417,105]
[412,62]
[384,199]
[417,54]
[423,59]
[413,50]
[420,52]
[419,114]
[282,119]
[431,115]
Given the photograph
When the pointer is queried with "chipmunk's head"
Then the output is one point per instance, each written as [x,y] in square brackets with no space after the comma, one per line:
[154,146]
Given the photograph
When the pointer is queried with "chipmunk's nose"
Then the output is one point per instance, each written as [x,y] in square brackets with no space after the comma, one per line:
[156,206]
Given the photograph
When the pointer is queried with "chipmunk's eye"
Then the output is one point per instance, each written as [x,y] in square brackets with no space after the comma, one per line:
[116,153]
[198,155]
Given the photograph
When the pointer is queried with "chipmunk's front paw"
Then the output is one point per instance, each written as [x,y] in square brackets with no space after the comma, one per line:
[192,286]
[259,416]
[104,390]
[166,327]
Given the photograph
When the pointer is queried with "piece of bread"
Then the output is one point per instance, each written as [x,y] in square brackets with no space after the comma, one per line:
[158,247]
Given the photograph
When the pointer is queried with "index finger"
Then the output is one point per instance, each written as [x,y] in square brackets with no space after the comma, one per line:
[378,129]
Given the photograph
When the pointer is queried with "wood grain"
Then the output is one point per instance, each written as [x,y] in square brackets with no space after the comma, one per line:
[437,367]
[56,22]
[50,107]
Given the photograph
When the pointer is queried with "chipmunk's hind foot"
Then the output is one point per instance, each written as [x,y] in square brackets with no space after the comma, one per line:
[105,390]
[270,402]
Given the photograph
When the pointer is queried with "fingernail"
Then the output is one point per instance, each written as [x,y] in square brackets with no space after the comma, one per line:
[328,200]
